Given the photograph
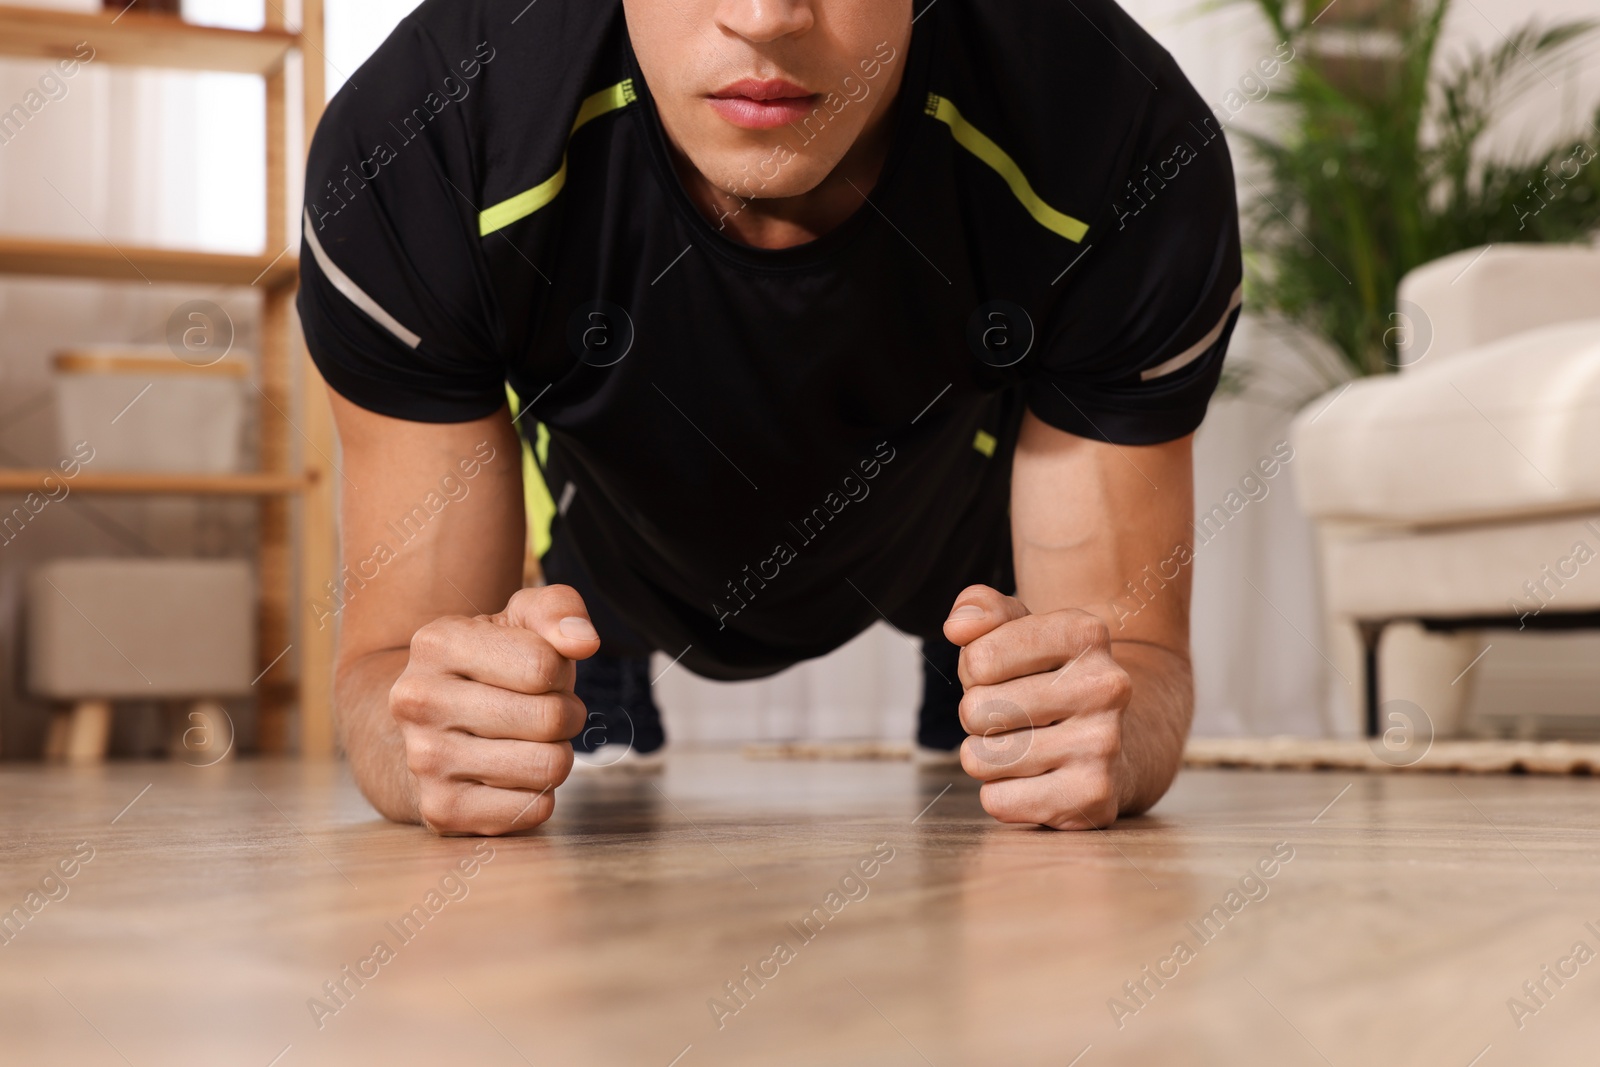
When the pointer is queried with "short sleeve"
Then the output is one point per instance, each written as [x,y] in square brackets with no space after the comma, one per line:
[1134,349]
[394,300]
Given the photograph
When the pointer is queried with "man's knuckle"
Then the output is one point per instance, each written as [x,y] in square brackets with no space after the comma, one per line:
[532,813]
[971,761]
[425,755]
[574,714]
[1005,804]
[980,660]
[433,641]
[1112,687]
[552,764]
[1101,814]
[1096,791]
[1122,691]
[440,809]
[1105,743]
[408,698]
[971,710]
[543,665]
[1084,630]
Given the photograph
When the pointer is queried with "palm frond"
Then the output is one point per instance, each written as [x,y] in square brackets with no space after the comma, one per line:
[1364,182]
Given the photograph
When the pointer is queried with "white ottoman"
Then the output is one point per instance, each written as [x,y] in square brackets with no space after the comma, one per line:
[100,630]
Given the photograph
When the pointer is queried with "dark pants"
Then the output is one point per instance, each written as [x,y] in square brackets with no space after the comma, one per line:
[617,638]
[938,722]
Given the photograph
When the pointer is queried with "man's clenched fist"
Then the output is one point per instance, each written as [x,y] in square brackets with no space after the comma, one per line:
[1044,704]
[486,708]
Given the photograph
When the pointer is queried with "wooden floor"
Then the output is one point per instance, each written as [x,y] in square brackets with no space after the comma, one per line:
[218,902]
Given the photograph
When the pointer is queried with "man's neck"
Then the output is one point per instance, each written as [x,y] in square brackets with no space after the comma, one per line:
[783,222]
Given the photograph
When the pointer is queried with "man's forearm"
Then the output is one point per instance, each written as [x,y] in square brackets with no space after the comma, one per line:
[1157,721]
[370,735]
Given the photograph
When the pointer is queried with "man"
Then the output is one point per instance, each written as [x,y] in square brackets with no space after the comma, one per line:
[833,311]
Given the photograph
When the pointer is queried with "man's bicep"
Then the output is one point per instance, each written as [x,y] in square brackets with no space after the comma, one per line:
[1105,528]
[431,524]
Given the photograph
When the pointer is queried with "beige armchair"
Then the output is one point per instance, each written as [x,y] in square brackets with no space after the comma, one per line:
[1464,492]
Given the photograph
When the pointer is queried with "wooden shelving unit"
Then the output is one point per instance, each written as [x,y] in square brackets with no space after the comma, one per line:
[116,483]
[137,39]
[286,577]
[73,259]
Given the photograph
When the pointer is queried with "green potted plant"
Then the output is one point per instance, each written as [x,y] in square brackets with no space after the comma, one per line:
[1381,166]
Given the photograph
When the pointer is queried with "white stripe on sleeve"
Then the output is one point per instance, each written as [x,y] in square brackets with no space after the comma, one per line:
[353,292]
[1199,348]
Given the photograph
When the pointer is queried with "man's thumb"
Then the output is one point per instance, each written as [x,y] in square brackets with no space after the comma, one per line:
[978,610]
[557,614]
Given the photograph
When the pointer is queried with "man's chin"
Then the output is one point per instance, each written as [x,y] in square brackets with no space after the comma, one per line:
[769,179]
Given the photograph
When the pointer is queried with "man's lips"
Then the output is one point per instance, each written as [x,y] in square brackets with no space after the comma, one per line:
[755,104]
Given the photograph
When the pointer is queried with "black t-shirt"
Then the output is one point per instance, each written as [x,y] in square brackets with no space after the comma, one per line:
[758,453]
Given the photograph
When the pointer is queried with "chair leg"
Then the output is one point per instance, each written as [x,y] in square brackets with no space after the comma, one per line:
[88,732]
[55,738]
[199,733]
[1371,638]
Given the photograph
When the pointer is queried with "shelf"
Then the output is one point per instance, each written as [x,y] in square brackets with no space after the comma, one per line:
[136,39]
[70,259]
[143,360]
[140,483]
